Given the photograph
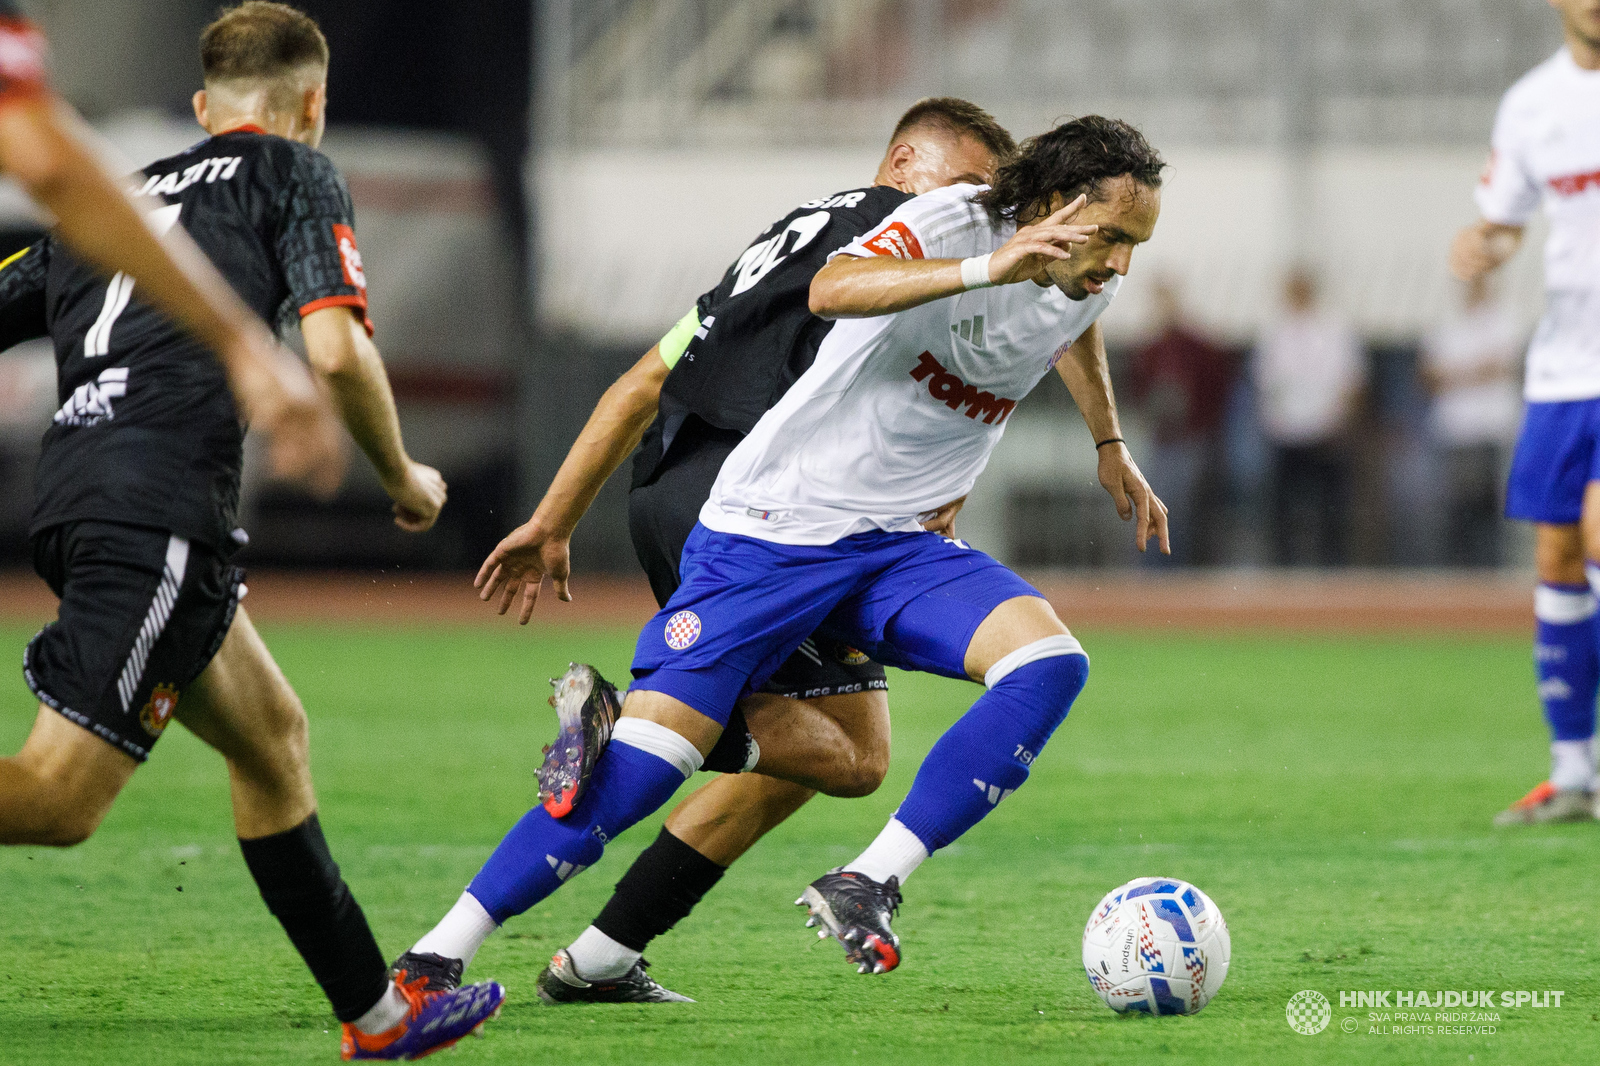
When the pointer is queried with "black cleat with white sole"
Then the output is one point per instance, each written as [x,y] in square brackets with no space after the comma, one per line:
[442,974]
[559,983]
[855,910]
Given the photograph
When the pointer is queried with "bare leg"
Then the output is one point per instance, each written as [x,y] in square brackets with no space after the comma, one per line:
[1558,550]
[58,788]
[724,817]
[838,745]
[243,707]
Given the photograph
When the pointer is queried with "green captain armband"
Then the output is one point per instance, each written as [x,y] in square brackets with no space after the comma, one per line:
[676,342]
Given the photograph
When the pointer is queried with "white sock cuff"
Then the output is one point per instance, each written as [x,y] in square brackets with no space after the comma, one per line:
[1563,607]
[460,932]
[658,740]
[1049,647]
[895,852]
[1572,764]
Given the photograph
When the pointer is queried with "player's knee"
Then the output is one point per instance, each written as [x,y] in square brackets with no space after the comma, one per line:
[287,732]
[860,773]
[64,821]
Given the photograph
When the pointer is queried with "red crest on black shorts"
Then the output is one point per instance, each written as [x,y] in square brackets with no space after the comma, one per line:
[158,712]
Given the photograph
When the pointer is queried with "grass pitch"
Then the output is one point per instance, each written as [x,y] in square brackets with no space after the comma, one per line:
[1332,795]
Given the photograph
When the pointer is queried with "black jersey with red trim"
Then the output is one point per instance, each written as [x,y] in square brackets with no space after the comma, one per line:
[147,432]
[756,334]
[22,50]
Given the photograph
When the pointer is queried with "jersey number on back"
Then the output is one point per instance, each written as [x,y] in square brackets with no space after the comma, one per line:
[761,258]
[119,290]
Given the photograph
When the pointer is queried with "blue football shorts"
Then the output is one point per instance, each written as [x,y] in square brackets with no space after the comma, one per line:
[1557,455]
[911,600]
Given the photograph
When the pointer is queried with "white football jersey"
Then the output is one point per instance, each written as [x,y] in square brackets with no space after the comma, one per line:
[1546,149]
[899,413]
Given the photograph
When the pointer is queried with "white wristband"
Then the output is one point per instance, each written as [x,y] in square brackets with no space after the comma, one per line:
[975,272]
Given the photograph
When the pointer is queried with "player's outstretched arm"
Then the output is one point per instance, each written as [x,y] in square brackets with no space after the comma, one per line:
[1482,247]
[863,286]
[348,364]
[42,150]
[540,546]
[1084,369]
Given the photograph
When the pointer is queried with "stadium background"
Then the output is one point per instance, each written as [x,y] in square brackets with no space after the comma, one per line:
[541,189]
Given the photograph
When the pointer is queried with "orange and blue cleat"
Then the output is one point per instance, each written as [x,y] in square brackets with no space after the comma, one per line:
[435,1021]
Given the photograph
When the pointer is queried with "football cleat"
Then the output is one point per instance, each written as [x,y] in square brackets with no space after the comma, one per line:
[1547,803]
[435,1021]
[442,974]
[587,706]
[856,910]
[559,983]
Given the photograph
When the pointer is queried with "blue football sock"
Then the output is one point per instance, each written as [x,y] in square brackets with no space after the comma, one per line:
[985,756]
[1567,658]
[541,852]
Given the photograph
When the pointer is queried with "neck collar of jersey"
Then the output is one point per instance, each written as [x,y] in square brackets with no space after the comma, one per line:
[248,127]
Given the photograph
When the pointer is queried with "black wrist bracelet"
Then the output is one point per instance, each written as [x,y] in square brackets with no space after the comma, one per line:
[1110,440]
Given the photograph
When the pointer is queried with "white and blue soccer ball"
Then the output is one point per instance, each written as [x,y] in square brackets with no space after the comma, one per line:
[1157,945]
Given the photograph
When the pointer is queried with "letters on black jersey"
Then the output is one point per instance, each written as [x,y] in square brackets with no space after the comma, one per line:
[221,168]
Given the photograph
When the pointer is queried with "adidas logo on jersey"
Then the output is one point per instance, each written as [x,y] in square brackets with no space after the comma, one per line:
[953,392]
[970,329]
[91,401]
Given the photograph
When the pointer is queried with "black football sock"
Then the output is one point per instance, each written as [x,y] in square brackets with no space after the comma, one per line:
[302,888]
[658,891]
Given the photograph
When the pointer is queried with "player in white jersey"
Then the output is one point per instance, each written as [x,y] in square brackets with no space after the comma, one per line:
[1546,152]
[819,506]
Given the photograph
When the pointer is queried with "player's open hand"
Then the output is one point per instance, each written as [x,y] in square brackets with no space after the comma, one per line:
[943,520]
[1480,248]
[517,567]
[1133,497]
[418,497]
[1033,246]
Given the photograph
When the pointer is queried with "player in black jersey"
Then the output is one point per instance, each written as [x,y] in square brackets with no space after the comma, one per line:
[44,153]
[135,519]
[822,723]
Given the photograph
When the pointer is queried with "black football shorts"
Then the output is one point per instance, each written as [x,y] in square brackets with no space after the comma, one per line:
[142,614]
[661,516]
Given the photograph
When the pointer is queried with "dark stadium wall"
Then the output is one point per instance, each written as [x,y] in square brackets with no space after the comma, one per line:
[464,67]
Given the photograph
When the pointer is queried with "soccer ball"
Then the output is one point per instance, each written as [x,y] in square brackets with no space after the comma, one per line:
[1156,945]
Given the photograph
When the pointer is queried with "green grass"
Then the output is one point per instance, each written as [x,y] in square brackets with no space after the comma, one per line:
[1331,794]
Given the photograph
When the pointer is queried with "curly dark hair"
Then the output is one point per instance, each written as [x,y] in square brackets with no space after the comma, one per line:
[1079,156]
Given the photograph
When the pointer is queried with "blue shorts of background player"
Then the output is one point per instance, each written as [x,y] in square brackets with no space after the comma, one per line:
[1557,458]
[914,600]
[1557,455]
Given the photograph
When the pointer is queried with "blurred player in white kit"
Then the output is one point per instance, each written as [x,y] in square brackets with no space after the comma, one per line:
[1546,151]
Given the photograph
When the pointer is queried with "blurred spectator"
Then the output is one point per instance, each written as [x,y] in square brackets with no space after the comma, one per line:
[1310,372]
[1180,380]
[1469,364]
